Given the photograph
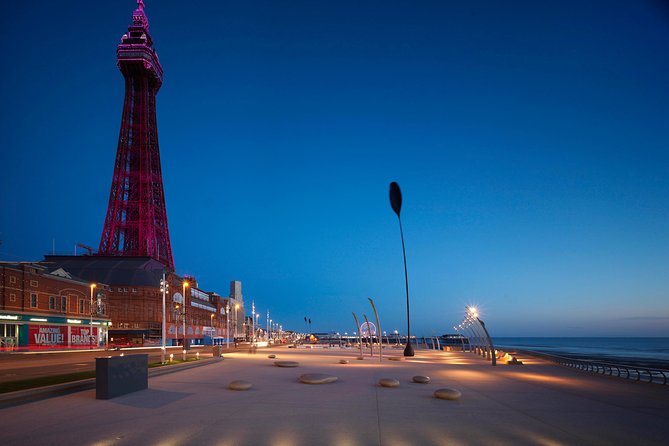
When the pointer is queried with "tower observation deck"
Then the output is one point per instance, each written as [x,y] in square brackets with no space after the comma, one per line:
[136,220]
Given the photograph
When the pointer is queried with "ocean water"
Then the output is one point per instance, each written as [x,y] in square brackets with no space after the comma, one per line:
[623,350]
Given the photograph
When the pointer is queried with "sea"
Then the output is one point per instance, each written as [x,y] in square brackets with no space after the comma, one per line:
[650,352]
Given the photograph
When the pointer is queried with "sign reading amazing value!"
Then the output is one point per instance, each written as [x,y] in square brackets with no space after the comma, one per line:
[47,335]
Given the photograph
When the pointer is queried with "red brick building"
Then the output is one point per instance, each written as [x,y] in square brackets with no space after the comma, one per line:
[43,306]
[135,301]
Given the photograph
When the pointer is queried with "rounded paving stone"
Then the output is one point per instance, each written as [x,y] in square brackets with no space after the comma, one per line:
[317,378]
[389,382]
[239,385]
[395,358]
[421,379]
[447,394]
[360,358]
[343,361]
[271,356]
[286,363]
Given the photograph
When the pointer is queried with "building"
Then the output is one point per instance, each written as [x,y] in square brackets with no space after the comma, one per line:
[43,306]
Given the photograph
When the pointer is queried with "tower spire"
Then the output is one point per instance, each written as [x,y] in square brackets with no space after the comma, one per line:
[136,221]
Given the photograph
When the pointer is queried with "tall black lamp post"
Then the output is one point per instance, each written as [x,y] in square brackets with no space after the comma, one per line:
[396,204]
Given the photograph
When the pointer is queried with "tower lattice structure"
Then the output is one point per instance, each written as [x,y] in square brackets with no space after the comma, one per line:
[136,221]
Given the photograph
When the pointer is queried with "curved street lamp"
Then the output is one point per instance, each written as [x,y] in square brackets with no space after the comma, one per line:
[396,204]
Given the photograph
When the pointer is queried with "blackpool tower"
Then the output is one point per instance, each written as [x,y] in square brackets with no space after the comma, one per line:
[136,221]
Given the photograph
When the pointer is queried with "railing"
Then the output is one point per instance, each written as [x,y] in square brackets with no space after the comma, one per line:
[643,374]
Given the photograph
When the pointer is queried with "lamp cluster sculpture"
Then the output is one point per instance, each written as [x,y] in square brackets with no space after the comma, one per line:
[396,203]
[474,329]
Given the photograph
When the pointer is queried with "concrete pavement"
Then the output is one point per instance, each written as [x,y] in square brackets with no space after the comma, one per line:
[537,403]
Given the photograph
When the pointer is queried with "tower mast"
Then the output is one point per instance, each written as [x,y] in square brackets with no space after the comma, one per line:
[136,220]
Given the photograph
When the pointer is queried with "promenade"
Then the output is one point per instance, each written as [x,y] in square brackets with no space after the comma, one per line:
[535,404]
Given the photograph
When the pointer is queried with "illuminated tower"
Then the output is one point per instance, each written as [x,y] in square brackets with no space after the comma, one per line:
[136,221]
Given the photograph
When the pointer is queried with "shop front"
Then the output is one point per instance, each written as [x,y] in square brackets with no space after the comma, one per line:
[33,333]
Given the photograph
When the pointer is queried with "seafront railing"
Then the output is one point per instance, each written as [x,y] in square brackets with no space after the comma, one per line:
[635,373]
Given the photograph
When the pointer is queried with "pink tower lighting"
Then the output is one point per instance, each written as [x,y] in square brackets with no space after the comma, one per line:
[136,220]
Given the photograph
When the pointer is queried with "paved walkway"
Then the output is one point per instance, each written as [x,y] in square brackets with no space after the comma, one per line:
[534,404]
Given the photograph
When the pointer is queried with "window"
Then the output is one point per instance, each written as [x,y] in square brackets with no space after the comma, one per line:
[52,303]
[12,297]
[134,290]
[12,279]
[63,304]
[33,300]
[34,283]
[81,305]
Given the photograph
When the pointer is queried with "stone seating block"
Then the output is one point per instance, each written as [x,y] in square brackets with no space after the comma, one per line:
[317,378]
[421,379]
[240,385]
[286,363]
[118,375]
[389,382]
[447,394]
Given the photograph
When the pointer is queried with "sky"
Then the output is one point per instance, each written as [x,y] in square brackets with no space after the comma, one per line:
[529,140]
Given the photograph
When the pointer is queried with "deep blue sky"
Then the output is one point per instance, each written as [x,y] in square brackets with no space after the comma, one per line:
[529,138]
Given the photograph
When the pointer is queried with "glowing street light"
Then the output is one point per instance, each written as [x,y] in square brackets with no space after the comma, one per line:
[90,333]
[184,285]
[163,289]
[474,314]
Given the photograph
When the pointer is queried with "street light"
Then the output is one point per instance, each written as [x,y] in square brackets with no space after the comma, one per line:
[236,308]
[256,325]
[396,204]
[90,334]
[163,288]
[184,286]
[475,314]
[177,313]
[227,325]
[213,330]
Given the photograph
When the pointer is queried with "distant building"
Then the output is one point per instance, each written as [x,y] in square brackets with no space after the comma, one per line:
[237,311]
[43,306]
[135,300]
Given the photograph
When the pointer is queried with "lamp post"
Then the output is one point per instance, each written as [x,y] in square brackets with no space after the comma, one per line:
[474,315]
[255,333]
[90,334]
[184,285]
[236,308]
[227,325]
[213,330]
[396,204]
[177,312]
[163,289]
[461,338]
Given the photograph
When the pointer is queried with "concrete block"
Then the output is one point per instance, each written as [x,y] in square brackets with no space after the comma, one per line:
[118,375]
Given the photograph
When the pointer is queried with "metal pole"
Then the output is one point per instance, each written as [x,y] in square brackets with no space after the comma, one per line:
[164,290]
[492,347]
[90,334]
[378,329]
[472,339]
[357,328]
[486,349]
[184,285]
[479,340]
